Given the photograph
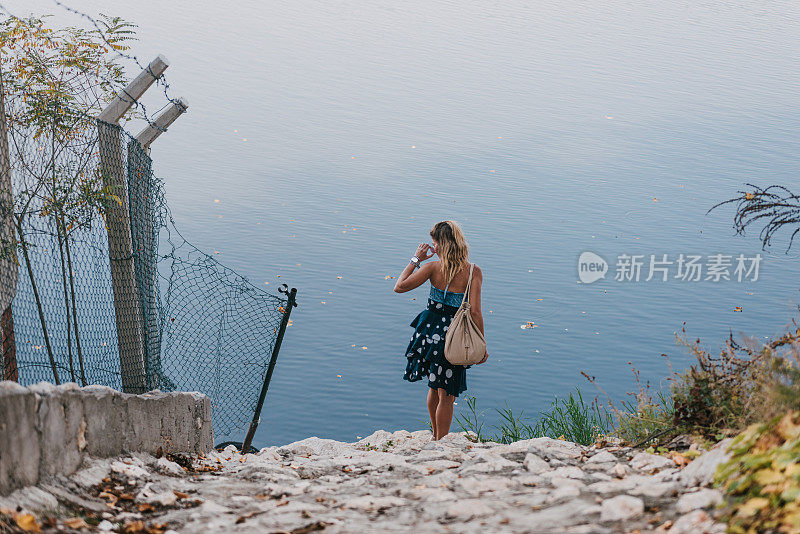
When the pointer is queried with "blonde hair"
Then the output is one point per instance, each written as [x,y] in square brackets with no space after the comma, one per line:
[451,247]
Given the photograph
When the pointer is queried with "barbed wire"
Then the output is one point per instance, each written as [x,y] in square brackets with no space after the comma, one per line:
[159,80]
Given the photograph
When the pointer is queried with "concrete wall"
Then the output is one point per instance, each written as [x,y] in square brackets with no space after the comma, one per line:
[47,430]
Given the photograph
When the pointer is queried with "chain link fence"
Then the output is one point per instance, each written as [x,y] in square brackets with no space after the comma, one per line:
[109,291]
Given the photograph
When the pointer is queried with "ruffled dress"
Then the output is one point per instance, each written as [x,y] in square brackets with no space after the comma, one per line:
[425,351]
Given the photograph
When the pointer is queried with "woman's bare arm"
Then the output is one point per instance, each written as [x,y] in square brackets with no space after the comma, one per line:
[409,279]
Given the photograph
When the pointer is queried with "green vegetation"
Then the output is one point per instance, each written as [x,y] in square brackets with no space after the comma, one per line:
[746,383]
[717,396]
[570,419]
[763,477]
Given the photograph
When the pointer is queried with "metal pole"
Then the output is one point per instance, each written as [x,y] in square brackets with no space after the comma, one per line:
[162,121]
[127,307]
[144,236]
[9,269]
[290,303]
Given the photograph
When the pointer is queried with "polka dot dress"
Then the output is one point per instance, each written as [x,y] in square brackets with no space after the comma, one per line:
[425,351]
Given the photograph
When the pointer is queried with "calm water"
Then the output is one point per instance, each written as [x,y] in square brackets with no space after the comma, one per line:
[333,134]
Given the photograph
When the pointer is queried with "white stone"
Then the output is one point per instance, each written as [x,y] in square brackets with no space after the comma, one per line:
[563,493]
[569,471]
[371,504]
[620,484]
[705,498]
[561,482]
[468,508]
[130,469]
[535,464]
[697,522]
[650,462]
[169,467]
[555,518]
[654,490]
[554,448]
[701,471]
[602,457]
[619,470]
[620,508]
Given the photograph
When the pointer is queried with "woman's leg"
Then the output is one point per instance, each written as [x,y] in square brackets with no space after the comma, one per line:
[444,413]
[433,403]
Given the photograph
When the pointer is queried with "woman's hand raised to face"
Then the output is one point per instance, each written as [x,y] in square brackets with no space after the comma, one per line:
[423,252]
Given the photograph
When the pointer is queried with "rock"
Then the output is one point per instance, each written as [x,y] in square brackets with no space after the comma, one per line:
[393,482]
[131,467]
[619,471]
[704,498]
[168,467]
[483,484]
[467,509]
[535,464]
[697,522]
[657,490]
[555,518]
[569,471]
[554,448]
[65,496]
[562,482]
[650,462]
[157,494]
[373,504]
[487,463]
[619,485]
[31,498]
[590,528]
[620,508]
[701,471]
[602,457]
[564,492]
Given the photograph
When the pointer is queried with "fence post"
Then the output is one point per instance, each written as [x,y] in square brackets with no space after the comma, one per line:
[144,236]
[9,271]
[290,303]
[128,312]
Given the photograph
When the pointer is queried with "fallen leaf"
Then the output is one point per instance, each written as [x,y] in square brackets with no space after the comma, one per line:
[242,518]
[27,522]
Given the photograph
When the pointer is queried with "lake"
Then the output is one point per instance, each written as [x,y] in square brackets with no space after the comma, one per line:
[324,139]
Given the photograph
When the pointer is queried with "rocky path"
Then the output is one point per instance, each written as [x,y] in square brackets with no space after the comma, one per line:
[389,482]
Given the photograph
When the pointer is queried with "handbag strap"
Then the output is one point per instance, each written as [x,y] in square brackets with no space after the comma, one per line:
[469,283]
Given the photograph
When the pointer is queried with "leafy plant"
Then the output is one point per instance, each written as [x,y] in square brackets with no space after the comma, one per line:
[747,382]
[54,82]
[763,477]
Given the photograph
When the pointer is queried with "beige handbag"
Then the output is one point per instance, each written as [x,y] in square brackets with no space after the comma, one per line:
[464,343]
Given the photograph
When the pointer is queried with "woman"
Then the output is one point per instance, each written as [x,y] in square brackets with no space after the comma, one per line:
[425,352]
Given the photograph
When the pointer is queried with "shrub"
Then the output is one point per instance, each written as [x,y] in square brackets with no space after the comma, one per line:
[746,383]
[763,477]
